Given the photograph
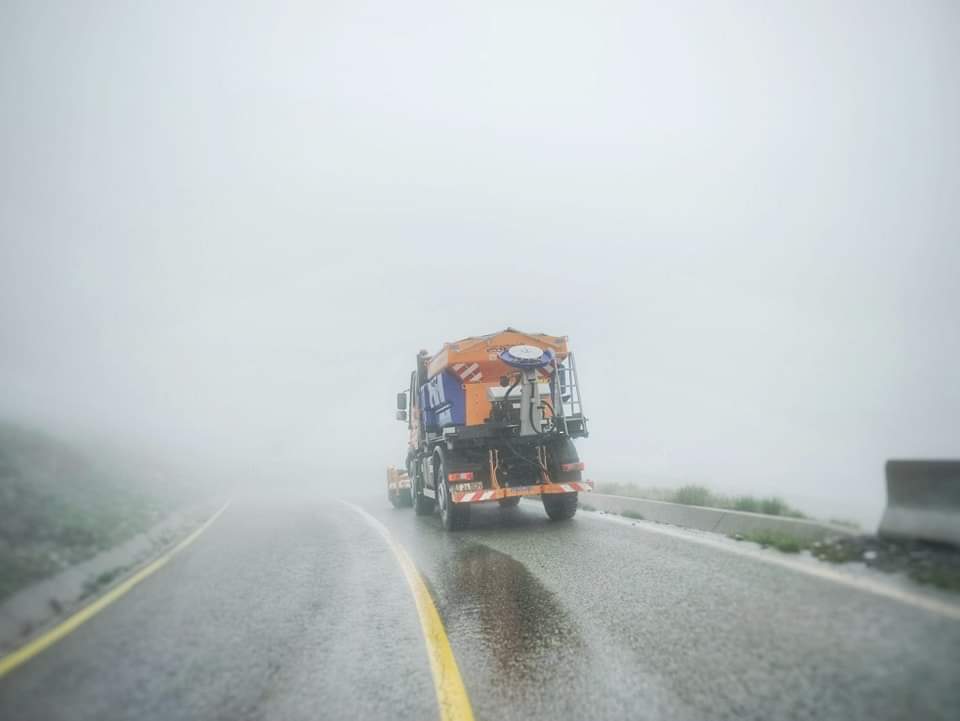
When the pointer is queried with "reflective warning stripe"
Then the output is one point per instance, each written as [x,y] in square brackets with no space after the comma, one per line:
[471,373]
[498,493]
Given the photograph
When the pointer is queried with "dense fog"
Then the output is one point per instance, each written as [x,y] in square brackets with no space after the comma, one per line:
[226,228]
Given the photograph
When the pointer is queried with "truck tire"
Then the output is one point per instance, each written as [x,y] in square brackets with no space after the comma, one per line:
[453,516]
[404,499]
[422,505]
[560,506]
[510,502]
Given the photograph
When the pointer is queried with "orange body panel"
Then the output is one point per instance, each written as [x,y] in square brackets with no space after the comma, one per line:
[478,406]
[476,361]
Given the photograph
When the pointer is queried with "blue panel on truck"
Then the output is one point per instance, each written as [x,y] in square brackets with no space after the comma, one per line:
[443,402]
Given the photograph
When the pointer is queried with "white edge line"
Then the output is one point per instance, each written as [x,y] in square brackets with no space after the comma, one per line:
[867,585]
[380,528]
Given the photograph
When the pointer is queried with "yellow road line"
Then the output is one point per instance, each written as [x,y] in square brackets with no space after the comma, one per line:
[25,653]
[452,699]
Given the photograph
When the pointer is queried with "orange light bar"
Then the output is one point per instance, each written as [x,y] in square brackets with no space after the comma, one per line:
[571,467]
[468,476]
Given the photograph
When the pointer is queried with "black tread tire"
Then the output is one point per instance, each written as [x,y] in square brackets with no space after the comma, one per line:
[509,502]
[422,505]
[404,498]
[560,506]
[453,516]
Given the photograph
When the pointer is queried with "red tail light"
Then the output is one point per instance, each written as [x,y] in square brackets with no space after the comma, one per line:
[567,467]
[468,476]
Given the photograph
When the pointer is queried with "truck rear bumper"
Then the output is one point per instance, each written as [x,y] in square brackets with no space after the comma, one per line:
[398,485]
[495,494]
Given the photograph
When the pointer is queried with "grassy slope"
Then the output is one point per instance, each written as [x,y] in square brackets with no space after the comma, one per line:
[60,506]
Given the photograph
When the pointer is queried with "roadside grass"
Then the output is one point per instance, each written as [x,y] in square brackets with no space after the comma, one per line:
[947,579]
[43,535]
[927,563]
[587,507]
[93,585]
[631,514]
[698,495]
[922,563]
[775,539]
[836,552]
[60,506]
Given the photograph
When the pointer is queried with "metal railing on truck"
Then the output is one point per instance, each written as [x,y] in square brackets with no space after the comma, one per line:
[567,403]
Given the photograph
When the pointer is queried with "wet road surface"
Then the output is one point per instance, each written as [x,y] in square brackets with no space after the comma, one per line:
[295,608]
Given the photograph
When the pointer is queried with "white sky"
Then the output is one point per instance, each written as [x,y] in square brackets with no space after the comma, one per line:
[230,227]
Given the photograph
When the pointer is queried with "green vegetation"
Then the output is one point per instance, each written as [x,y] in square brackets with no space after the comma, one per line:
[631,514]
[775,539]
[693,495]
[587,507]
[923,563]
[836,552]
[944,577]
[103,580]
[697,495]
[60,506]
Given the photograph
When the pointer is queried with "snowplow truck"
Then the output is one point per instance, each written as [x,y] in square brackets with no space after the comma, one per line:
[492,419]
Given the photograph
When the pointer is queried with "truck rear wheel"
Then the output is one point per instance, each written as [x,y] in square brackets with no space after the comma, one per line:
[422,505]
[454,516]
[404,498]
[560,506]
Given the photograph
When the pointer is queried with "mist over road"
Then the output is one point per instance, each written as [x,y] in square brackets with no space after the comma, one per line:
[294,607]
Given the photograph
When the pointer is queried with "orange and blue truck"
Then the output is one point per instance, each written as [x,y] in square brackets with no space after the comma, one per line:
[492,418]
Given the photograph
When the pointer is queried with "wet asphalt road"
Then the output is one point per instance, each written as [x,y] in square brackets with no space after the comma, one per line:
[295,608]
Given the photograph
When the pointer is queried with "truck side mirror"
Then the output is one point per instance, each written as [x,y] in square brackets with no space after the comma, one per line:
[401,415]
[401,401]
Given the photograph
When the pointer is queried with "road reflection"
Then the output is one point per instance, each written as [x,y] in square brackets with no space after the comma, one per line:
[491,600]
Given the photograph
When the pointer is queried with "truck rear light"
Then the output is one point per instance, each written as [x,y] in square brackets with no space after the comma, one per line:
[566,467]
[463,487]
[468,476]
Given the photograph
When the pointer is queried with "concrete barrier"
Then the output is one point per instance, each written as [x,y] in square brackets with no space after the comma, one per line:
[923,501]
[717,520]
